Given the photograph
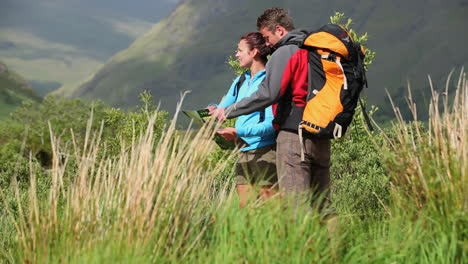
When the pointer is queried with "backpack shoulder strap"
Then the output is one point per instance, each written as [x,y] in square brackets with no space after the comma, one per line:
[236,94]
[291,42]
[239,83]
[262,116]
[366,116]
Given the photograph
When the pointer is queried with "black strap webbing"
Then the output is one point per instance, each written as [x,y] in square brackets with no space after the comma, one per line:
[366,116]
[238,85]
[262,116]
[236,94]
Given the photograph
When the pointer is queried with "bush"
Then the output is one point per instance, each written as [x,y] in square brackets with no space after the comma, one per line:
[27,136]
[359,182]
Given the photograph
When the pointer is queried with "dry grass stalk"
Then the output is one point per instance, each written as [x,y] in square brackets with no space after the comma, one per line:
[435,160]
[151,190]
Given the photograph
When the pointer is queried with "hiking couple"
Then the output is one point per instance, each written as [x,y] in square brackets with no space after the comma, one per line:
[269,104]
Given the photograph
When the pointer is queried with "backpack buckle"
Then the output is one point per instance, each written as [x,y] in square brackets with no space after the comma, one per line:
[337,131]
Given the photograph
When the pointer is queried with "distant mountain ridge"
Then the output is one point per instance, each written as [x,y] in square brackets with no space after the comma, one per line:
[60,42]
[188,49]
[13,90]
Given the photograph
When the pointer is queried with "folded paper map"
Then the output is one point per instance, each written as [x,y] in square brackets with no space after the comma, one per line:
[200,117]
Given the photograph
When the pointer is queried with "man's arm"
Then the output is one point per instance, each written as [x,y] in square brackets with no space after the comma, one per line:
[270,90]
[227,100]
[261,129]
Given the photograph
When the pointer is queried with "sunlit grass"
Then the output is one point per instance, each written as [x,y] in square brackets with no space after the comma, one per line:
[165,201]
[429,165]
[155,193]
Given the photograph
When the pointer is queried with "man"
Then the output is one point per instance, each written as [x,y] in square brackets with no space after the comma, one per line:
[286,85]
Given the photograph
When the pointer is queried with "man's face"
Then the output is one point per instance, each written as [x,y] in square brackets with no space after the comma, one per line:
[271,38]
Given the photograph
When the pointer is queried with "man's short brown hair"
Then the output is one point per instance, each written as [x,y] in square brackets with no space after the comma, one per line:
[273,17]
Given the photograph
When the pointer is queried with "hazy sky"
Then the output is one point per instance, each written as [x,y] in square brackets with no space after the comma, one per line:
[151,10]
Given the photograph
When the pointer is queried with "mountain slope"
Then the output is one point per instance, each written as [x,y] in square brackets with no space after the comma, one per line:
[13,90]
[188,50]
[56,42]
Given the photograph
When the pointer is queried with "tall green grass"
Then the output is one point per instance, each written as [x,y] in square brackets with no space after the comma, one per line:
[429,165]
[168,202]
[152,193]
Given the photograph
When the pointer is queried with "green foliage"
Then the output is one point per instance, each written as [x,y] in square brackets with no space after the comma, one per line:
[25,145]
[198,219]
[359,182]
[26,138]
[337,19]
[235,66]
[69,118]
[228,173]
[121,127]
[266,233]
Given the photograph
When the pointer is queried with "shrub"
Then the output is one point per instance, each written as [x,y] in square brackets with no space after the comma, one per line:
[359,182]
[26,138]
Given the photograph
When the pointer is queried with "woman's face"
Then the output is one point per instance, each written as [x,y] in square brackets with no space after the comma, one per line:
[244,54]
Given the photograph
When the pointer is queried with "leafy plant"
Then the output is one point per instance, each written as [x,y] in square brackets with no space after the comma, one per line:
[26,138]
[235,66]
[337,19]
[359,181]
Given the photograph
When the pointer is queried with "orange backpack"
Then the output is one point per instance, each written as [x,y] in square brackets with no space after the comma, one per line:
[336,78]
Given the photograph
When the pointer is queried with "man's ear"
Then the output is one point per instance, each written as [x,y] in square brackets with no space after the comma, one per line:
[281,31]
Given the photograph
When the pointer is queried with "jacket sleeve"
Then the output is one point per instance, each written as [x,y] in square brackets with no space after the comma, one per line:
[269,91]
[229,98]
[264,128]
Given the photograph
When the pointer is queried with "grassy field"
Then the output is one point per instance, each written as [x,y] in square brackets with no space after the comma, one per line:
[171,200]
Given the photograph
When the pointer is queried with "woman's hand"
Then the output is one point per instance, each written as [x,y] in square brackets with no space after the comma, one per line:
[211,108]
[219,114]
[228,133]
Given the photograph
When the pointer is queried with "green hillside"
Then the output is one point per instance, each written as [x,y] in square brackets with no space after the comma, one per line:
[13,90]
[60,43]
[188,49]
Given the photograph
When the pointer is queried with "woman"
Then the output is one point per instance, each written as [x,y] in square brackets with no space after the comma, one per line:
[256,162]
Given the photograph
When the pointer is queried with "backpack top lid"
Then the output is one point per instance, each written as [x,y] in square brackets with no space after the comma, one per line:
[332,37]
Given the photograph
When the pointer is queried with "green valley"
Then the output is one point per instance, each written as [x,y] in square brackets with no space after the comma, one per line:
[59,43]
